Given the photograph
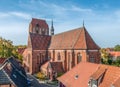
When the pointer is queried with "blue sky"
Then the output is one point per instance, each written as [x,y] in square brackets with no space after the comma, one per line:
[101,17]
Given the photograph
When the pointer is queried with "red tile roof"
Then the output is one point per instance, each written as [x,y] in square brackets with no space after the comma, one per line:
[86,71]
[111,75]
[115,53]
[39,42]
[101,70]
[40,22]
[21,50]
[2,60]
[83,71]
[116,83]
[73,39]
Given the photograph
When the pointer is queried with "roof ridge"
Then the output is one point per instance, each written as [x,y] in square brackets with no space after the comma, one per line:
[77,38]
[85,37]
[68,31]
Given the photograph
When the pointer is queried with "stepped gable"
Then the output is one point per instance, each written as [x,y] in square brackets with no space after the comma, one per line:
[39,42]
[74,39]
[40,22]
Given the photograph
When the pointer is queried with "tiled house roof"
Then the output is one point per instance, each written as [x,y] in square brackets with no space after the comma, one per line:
[4,79]
[87,71]
[13,72]
[101,70]
[111,75]
[73,39]
[115,53]
[39,42]
[79,75]
[2,60]
[116,83]
[21,50]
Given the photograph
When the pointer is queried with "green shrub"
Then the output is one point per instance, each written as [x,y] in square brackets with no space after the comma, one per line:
[40,76]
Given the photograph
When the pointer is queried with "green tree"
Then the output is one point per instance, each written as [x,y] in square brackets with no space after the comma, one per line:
[105,56]
[117,48]
[7,49]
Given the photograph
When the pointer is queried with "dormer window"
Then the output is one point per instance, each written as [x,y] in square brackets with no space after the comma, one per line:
[76,76]
[94,83]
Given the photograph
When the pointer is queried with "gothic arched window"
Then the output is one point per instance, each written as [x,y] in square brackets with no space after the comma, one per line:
[49,56]
[58,56]
[79,58]
[37,28]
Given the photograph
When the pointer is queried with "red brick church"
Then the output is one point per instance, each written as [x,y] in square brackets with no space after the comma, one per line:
[68,48]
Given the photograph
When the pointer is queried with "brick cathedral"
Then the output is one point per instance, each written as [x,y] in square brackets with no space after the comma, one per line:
[64,50]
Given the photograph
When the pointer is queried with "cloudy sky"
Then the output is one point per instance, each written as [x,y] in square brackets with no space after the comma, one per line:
[101,18]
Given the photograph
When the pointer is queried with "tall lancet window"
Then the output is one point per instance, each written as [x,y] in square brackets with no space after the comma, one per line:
[37,28]
[58,56]
[79,58]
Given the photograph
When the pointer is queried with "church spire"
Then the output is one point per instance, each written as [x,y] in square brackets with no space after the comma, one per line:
[52,28]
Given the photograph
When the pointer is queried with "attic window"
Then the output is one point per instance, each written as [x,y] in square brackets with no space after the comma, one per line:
[76,77]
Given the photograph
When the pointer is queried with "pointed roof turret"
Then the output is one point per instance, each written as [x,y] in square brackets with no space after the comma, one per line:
[52,28]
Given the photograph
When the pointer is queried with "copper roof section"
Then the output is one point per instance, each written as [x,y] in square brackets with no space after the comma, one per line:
[74,39]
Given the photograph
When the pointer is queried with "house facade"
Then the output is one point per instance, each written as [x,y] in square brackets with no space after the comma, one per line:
[70,47]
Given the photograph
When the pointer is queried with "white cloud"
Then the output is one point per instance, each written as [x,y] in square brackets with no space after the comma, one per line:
[20,14]
[13,14]
[76,8]
[4,15]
